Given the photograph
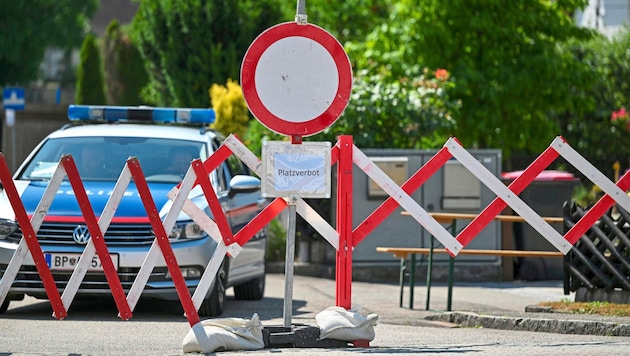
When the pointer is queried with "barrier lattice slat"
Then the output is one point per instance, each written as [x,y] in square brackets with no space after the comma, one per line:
[30,237]
[90,249]
[342,237]
[497,205]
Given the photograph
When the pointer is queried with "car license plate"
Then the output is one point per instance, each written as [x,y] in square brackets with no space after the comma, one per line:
[68,261]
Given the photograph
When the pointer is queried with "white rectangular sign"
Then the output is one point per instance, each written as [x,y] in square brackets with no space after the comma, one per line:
[302,169]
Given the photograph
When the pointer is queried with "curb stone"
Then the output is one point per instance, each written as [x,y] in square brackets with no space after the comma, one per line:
[580,327]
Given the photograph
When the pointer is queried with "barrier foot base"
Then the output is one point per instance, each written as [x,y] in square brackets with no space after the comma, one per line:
[298,336]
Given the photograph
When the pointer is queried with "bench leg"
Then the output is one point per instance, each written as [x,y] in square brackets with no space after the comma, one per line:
[451,267]
[403,269]
[412,279]
[429,272]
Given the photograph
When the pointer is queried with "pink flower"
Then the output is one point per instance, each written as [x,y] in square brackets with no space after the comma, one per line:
[620,115]
[441,74]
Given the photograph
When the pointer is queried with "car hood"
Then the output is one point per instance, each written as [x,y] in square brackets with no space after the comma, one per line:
[65,202]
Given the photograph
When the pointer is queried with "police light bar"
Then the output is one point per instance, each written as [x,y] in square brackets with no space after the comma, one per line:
[141,114]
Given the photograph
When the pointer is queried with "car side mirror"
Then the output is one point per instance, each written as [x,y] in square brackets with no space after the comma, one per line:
[244,184]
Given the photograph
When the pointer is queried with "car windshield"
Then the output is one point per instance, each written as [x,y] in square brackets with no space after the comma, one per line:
[103,158]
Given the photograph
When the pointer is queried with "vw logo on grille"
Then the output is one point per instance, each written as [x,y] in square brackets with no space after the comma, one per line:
[81,234]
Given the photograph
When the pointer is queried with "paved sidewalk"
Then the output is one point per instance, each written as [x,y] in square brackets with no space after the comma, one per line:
[497,305]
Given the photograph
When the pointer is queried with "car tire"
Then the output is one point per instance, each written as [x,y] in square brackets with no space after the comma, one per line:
[5,306]
[251,290]
[215,303]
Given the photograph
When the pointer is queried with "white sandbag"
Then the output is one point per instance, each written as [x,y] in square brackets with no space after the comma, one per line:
[348,325]
[226,334]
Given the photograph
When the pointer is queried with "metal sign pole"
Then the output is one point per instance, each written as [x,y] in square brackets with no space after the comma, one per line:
[290,255]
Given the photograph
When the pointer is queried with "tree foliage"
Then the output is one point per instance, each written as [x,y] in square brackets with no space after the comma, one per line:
[349,20]
[188,45]
[90,80]
[590,128]
[125,75]
[504,55]
[386,112]
[28,28]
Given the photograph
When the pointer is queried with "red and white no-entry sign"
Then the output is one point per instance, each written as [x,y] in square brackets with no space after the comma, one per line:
[296,79]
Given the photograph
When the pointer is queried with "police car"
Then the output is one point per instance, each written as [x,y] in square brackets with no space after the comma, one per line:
[100,140]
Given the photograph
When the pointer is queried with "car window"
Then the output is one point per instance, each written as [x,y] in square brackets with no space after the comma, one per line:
[103,158]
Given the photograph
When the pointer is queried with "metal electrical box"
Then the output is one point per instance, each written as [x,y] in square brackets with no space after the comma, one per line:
[394,167]
[452,188]
[461,189]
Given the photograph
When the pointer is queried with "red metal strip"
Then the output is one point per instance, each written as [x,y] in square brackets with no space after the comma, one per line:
[409,187]
[344,222]
[162,239]
[220,155]
[29,235]
[334,155]
[263,218]
[595,212]
[211,197]
[517,186]
[97,237]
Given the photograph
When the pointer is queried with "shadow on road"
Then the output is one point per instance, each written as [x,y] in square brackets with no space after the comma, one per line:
[146,310]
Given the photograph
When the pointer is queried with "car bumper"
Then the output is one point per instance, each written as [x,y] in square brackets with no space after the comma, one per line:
[193,254]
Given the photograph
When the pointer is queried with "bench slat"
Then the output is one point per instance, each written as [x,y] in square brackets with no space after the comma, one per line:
[403,252]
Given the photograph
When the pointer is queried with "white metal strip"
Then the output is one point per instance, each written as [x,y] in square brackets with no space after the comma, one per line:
[405,201]
[318,223]
[209,275]
[241,151]
[199,216]
[154,251]
[302,208]
[88,252]
[502,191]
[592,173]
[13,268]
[47,197]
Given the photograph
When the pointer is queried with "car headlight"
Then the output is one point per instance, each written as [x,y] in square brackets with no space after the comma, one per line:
[7,227]
[188,230]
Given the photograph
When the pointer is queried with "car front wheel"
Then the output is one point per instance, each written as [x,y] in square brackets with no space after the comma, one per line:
[5,306]
[215,303]
[251,290]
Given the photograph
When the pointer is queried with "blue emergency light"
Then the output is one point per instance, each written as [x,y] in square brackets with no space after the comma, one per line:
[140,114]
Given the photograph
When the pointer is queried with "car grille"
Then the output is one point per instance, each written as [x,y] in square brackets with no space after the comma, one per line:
[120,235]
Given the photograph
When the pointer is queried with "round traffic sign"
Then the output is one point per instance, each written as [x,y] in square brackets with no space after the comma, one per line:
[296,79]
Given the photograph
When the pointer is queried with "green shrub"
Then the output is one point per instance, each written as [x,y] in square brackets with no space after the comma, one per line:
[90,78]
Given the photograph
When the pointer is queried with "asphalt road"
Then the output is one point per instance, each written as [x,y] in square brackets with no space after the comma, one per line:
[92,328]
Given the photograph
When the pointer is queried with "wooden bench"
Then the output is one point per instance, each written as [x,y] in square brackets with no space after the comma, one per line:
[451,218]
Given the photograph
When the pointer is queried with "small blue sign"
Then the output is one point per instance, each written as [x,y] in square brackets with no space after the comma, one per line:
[13,98]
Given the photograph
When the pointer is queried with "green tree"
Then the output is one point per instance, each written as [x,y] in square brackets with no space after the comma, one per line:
[90,79]
[397,112]
[125,75]
[504,54]
[589,128]
[190,45]
[28,28]
[349,20]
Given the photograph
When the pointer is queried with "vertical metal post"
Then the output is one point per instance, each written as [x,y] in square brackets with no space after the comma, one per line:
[451,268]
[412,280]
[300,14]
[288,269]
[344,223]
[401,279]
[429,271]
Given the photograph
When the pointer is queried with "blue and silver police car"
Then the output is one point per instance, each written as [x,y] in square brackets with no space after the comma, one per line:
[100,140]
